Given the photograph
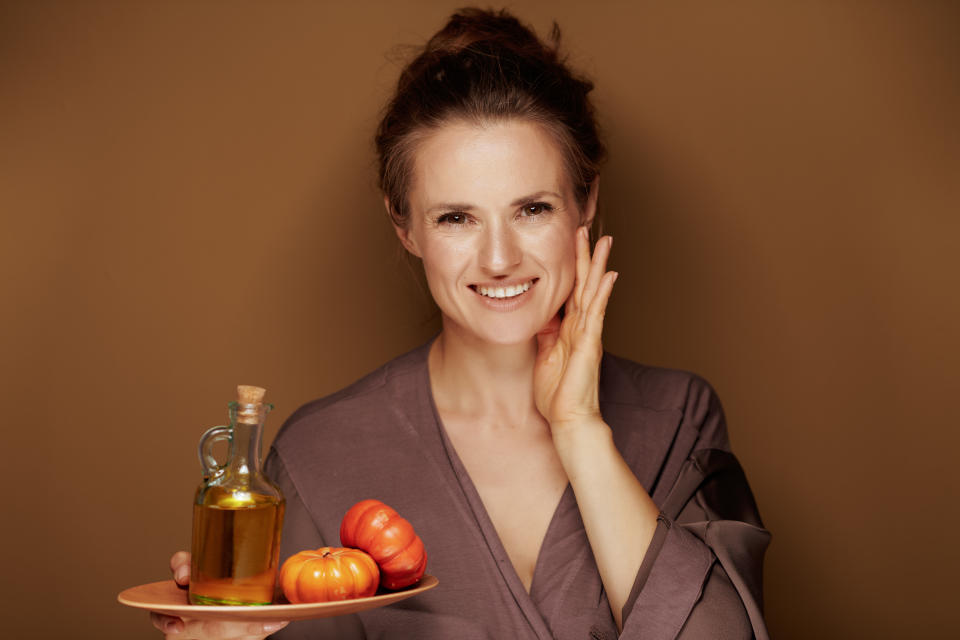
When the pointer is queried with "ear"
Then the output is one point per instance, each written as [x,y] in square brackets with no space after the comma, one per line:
[406,238]
[590,208]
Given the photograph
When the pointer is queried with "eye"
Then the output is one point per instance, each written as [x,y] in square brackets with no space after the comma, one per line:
[452,218]
[535,209]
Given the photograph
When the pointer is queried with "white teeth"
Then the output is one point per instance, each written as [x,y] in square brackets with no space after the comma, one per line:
[504,292]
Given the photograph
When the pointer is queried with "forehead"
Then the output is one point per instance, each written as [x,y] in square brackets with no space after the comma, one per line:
[485,164]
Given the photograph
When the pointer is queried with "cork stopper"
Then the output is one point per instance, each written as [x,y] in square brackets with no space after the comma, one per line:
[250,399]
[247,394]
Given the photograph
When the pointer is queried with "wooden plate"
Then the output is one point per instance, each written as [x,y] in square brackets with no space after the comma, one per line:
[166,597]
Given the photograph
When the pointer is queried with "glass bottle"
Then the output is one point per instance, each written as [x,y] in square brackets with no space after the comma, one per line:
[237,513]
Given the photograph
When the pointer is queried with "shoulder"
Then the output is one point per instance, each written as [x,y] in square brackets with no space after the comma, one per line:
[654,388]
[365,401]
[672,405]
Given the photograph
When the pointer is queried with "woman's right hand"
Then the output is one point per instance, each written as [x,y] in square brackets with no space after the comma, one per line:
[193,629]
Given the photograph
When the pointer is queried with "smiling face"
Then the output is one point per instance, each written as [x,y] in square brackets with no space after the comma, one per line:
[493,217]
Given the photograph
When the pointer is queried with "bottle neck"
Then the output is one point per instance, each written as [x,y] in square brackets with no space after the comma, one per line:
[245,448]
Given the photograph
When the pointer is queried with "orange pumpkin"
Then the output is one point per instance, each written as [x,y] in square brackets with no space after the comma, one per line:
[327,574]
[380,531]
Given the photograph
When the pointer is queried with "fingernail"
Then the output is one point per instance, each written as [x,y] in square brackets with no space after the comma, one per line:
[172,626]
[182,574]
[270,627]
[609,241]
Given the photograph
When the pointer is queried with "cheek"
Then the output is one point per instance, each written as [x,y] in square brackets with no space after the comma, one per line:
[559,257]
[565,255]
[443,262]
[568,271]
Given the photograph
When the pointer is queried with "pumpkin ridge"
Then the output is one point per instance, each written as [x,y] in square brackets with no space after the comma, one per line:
[413,538]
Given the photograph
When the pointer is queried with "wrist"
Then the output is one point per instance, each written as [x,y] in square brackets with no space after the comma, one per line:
[581,439]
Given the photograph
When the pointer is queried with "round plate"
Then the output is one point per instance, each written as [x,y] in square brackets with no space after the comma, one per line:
[166,597]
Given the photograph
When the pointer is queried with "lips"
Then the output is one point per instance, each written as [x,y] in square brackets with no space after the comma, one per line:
[501,291]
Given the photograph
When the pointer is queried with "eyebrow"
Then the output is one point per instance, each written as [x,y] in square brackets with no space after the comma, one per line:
[462,206]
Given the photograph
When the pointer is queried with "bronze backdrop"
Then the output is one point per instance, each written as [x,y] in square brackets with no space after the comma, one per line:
[188,202]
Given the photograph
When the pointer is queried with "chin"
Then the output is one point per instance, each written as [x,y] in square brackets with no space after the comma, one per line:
[506,333]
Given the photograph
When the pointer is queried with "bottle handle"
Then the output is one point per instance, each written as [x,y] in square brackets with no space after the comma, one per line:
[212,435]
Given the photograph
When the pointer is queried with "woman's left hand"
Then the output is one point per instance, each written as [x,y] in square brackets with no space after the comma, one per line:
[567,372]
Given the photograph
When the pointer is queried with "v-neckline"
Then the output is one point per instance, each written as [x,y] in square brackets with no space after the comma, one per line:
[485,523]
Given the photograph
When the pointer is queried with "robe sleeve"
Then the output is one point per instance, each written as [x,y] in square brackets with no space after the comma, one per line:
[299,533]
[702,575]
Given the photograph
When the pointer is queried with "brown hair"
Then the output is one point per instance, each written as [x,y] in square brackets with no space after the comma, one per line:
[486,66]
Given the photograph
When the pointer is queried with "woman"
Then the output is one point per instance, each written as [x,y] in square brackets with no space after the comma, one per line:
[561,492]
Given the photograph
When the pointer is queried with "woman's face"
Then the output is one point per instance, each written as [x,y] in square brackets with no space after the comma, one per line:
[493,217]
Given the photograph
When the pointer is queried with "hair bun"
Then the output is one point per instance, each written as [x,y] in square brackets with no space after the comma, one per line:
[471,26]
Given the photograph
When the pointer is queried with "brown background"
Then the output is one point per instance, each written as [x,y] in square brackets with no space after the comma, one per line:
[188,202]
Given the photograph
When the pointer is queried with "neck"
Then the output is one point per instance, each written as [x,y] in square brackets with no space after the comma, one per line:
[489,383]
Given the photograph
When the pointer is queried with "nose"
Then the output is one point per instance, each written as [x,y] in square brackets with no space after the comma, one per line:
[500,250]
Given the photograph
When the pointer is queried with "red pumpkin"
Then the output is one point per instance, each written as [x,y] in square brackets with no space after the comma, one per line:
[327,574]
[380,531]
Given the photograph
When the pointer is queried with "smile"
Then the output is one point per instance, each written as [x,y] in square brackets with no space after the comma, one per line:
[511,291]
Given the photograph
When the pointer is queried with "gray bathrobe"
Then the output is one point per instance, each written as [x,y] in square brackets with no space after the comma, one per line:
[382,438]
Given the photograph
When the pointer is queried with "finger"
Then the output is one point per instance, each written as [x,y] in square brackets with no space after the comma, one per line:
[166,624]
[598,266]
[583,267]
[598,307]
[223,629]
[180,566]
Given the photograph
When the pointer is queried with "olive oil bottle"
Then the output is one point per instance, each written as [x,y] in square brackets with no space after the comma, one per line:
[237,513]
